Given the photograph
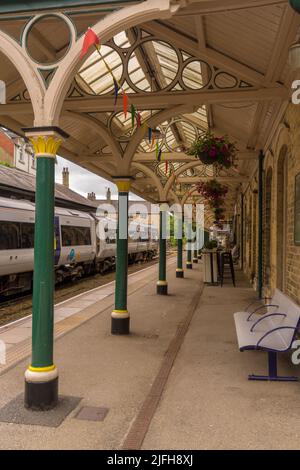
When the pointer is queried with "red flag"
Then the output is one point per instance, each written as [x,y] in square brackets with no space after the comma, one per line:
[125,104]
[116,90]
[90,39]
[167,167]
[139,120]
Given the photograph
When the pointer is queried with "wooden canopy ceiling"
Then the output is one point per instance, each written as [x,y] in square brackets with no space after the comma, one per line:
[212,64]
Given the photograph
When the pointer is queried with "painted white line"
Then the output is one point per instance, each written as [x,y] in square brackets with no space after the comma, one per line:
[107,284]
[24,319]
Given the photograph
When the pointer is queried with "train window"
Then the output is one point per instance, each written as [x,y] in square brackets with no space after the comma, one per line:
[9,235]
[27,235]
[75,236]
[83,235]
[68,236]
[110,236]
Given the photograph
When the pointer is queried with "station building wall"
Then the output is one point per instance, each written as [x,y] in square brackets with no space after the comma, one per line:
[281,214]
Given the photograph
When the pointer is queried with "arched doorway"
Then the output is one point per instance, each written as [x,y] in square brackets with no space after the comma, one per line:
[281,218]
[267,226]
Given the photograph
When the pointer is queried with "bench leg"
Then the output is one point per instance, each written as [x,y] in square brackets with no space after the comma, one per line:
[272,362]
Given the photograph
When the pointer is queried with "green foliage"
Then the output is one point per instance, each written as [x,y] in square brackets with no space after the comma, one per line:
[211,245]
[173,240]
[6,164]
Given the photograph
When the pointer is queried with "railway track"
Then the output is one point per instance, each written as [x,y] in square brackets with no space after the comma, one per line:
[19,307]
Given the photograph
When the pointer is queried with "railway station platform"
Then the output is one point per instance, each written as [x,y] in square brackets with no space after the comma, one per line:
[177,381]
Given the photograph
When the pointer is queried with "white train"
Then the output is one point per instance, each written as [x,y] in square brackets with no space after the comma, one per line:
[77,251]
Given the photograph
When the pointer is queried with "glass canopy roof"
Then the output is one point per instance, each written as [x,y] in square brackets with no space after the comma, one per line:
[142,64]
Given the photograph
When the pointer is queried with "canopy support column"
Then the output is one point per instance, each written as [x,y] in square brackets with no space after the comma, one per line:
[195,257]
[188,229]
[200,242]
[162,284]
[179,269]
[120,318]
[41,377]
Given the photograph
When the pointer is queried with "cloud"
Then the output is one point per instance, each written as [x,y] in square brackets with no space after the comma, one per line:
[83,181]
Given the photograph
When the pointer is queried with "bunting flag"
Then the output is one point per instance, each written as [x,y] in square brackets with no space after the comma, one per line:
[157,150]
[138,120]
[167,166]
[133,112]
[116,90]
[159,155]
[125,104]
[153,140]
[90,39]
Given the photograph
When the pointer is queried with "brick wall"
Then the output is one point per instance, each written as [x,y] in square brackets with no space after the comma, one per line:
[6,149]
[281,257]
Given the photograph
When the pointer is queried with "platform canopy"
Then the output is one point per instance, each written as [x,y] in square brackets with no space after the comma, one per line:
[186,66]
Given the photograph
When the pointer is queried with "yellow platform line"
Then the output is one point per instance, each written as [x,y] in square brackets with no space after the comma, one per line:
[22,350]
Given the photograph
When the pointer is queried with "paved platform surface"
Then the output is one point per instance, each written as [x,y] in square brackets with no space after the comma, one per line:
[207,401]
[68,315]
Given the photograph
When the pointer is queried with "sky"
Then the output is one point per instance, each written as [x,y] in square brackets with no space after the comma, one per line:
[83,181]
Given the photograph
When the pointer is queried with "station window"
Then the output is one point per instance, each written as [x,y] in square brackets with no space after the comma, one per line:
[75,236]
[9,235]
[20,155]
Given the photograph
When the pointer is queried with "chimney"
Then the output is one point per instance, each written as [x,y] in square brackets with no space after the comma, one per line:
[91,196]
[108,195]
[65,177]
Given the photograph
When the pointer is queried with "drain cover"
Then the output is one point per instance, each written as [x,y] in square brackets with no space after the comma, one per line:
[92,413]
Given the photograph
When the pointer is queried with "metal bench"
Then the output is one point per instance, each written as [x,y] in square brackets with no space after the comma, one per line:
[273,332]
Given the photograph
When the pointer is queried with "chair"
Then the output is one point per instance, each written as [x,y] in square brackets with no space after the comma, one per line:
[226,260]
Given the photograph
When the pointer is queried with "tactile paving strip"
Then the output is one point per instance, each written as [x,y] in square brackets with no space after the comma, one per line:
[140,425]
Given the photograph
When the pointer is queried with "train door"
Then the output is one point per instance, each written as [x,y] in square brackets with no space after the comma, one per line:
[57,244]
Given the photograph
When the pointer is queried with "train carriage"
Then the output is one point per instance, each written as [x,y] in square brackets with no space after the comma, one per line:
[78,250]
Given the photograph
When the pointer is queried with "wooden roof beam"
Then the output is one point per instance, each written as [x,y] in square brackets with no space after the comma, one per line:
[160,100]
[213,57]
[206,7]
[221,179]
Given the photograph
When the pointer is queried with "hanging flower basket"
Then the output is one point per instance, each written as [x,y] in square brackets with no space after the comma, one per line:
[213,192]
[212,150]
[219,213]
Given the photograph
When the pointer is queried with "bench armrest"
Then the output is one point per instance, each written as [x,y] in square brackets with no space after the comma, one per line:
[256,301]
[295,328]
[259,308]
[267,316]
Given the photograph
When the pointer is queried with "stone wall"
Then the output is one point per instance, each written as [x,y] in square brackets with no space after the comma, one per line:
[281,260]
